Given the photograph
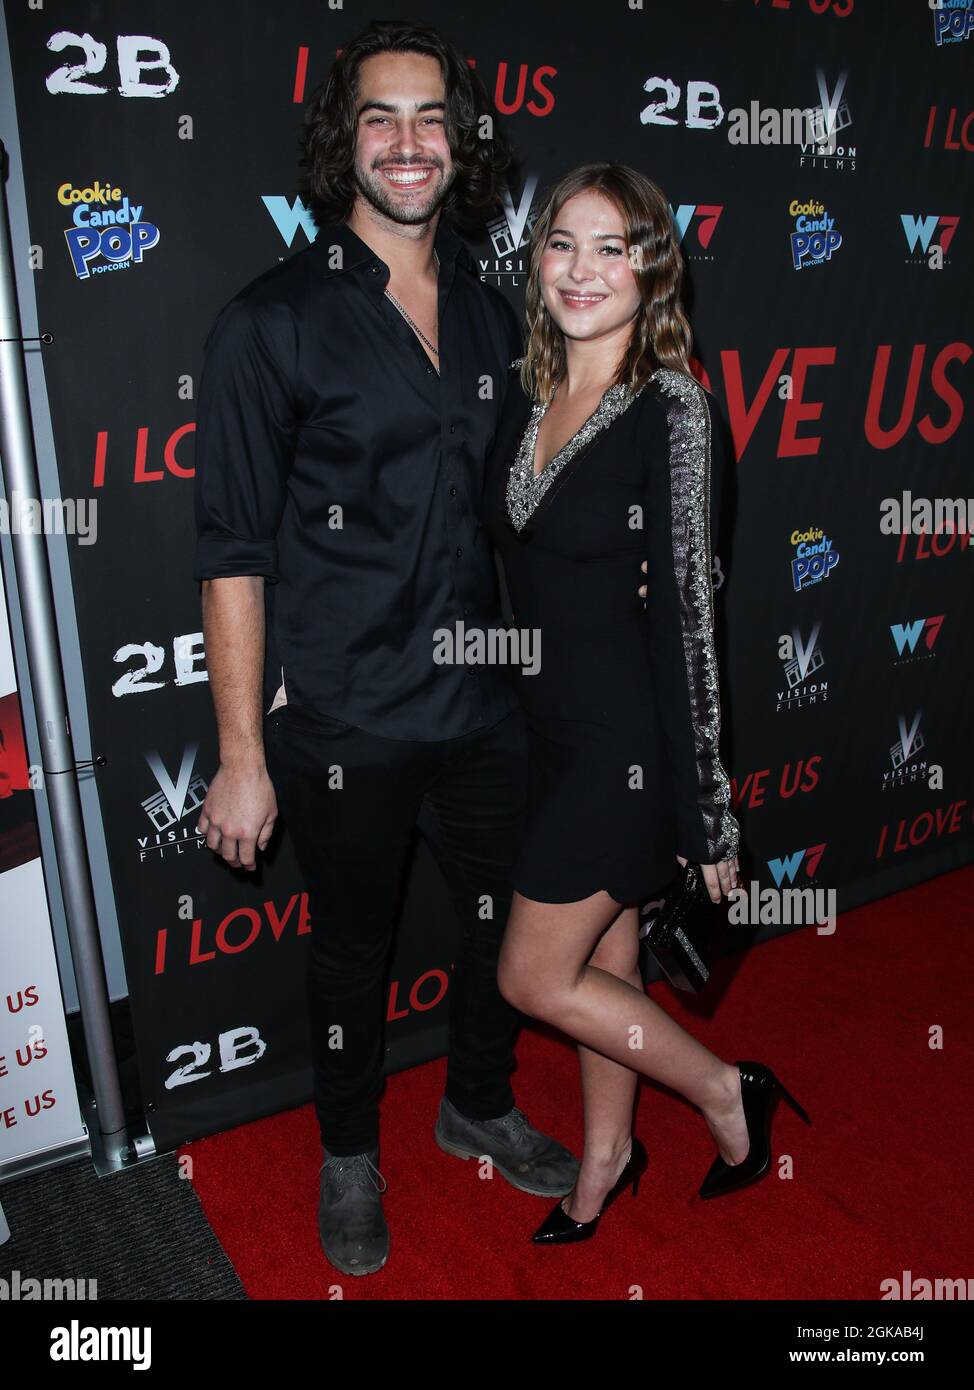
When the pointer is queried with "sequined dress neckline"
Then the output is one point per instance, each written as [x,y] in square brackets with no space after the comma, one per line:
[525,488]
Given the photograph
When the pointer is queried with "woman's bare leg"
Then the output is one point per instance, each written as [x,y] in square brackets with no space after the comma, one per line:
[608,1088]
[610,1015]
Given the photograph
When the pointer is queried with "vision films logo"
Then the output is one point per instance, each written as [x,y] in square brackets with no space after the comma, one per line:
[802,661]
[510,234]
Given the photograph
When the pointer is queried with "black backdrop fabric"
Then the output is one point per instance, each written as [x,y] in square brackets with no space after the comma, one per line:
[840,353]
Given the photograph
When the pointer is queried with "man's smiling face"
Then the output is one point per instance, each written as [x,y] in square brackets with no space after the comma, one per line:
[403,164]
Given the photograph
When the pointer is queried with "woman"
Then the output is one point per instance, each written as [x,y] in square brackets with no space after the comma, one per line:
[602,460]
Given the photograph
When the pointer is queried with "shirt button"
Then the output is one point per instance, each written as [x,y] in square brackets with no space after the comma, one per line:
[429,371]
[453,492]
[453,429]
[375,270]
[459,550]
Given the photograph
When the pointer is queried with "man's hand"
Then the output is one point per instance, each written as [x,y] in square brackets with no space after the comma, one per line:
[239,812]
[719,878]
[240,807]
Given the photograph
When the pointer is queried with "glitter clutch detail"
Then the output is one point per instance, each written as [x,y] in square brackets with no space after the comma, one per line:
[681,936]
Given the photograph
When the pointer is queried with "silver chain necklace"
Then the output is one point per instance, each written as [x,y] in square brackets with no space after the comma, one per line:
[414,326]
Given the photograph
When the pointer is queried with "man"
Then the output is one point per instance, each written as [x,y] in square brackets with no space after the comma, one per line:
[347,404]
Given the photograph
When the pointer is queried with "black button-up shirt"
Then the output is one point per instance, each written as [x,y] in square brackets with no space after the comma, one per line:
[334,461]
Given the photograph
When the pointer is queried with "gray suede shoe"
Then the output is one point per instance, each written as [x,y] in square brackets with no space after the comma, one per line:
[351,1223]
[528,1159]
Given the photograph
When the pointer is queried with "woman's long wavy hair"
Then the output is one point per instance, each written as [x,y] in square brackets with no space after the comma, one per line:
[661,334]
[327,179]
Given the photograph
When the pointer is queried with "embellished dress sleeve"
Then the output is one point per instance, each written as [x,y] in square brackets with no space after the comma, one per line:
[684,463]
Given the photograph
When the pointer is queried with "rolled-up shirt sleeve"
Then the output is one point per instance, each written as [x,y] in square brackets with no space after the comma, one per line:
[245,439]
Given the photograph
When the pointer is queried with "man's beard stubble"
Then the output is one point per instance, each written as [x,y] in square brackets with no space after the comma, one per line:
[371,187]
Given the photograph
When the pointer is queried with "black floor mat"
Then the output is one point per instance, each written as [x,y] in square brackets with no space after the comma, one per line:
[140,1233]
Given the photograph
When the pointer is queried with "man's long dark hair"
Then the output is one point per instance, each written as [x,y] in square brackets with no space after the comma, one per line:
[328,185]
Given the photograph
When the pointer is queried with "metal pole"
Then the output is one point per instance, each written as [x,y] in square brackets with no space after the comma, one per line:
[19,469]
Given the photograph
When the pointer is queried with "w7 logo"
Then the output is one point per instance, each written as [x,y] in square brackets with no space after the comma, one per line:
[908,634]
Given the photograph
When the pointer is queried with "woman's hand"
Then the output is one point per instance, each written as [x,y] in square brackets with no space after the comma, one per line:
[719,878]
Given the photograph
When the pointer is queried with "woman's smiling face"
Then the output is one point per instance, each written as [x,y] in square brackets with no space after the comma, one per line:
[586,278]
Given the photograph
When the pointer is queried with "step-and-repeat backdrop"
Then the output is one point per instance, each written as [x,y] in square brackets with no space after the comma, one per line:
[829,283]
[38,1100]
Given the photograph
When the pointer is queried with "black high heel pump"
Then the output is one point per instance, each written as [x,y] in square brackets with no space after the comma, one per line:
[759,1089]
[558,1228]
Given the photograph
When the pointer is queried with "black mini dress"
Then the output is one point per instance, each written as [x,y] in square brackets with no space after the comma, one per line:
[623,711]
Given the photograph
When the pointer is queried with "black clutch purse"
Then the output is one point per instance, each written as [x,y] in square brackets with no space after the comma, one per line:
[681,936]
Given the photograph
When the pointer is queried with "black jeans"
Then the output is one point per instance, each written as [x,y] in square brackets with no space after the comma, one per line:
[467,795]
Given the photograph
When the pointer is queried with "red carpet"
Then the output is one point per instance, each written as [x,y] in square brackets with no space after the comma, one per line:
[881,1181]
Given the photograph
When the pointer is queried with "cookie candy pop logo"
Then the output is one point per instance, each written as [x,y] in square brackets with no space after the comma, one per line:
[108,232]
[953,21]
[815,557]
[814,238]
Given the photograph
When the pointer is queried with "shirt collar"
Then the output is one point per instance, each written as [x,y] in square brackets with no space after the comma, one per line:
[450,247]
